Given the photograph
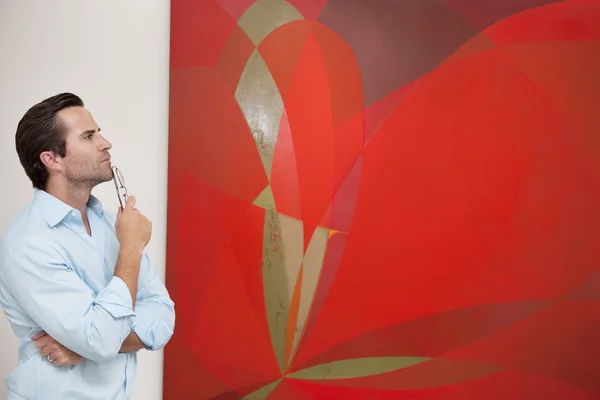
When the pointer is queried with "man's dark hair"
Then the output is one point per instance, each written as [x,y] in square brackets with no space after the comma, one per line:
[41,130]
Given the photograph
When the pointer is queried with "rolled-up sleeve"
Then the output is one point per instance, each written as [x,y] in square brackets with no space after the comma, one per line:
[54,296]
[155,311]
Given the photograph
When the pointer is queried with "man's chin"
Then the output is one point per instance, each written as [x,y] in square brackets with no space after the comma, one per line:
[109,173]
[102,178]
[107,178]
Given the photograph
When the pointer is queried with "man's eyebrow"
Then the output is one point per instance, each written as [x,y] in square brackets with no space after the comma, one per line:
[89,131]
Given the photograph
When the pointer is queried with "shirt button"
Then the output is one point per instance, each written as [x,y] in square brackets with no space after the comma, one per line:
[74,214]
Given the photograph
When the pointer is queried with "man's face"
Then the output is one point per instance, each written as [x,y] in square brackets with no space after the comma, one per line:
[87,161]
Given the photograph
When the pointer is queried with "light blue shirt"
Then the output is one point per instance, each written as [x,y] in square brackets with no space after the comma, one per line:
[57,278]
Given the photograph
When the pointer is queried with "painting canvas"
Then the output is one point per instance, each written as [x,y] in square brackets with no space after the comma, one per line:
[377,199]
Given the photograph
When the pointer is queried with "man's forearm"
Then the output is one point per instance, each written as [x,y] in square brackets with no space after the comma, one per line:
[132,344]
[128,268]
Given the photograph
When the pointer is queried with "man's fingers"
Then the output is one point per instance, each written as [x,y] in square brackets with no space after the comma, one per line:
[42,344]
[38,336]
[56,353]
[130,202]
[46,351]
[60,356]
[44,341]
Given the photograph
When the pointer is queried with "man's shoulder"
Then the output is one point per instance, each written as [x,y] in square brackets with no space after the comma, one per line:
[27,223]
[29,227]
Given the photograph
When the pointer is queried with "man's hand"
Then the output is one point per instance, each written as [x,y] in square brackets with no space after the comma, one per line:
[133,228]
[133,231]
[55,352]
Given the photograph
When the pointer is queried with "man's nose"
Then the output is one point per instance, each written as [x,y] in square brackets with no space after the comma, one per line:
[105,144]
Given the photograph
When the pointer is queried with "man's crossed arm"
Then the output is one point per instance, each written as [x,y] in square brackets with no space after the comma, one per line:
[59,355]
[75,320]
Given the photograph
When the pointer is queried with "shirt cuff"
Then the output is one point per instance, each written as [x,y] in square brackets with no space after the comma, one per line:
[152,331]
[116,299]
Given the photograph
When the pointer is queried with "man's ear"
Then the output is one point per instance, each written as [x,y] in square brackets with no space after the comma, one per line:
[50,159]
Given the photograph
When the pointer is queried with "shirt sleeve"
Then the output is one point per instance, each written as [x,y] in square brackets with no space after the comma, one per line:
[55,297]
[155,311]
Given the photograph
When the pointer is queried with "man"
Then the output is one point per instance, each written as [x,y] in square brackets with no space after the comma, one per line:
[76,286]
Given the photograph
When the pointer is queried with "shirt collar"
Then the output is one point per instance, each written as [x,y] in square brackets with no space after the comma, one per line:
[54,210]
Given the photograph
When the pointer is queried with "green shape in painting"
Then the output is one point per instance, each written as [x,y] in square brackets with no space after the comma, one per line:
[358,367]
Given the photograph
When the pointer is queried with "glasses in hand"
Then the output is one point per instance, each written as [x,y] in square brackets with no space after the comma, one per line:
[120,186]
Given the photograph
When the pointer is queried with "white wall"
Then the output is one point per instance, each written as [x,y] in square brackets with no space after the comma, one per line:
[115,55]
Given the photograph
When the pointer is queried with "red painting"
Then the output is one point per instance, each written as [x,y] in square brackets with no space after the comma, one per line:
[384,199]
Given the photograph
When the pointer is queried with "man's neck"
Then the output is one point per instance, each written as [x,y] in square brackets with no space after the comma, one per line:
[76,197]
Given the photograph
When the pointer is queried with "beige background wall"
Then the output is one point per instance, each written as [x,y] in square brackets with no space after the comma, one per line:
[115,54]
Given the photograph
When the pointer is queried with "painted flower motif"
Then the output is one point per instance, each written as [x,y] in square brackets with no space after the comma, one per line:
[384,199]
